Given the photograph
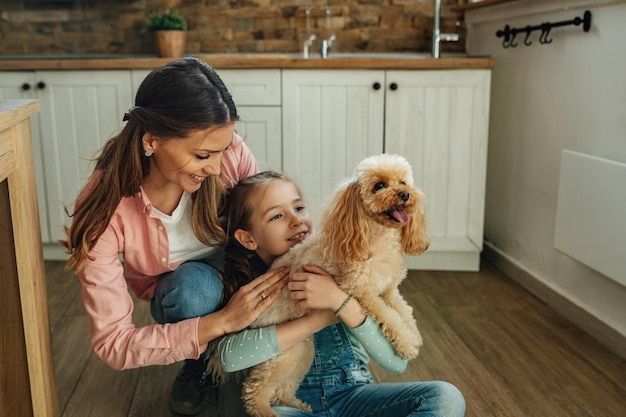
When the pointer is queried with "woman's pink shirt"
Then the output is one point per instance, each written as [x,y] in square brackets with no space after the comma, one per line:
[136,234]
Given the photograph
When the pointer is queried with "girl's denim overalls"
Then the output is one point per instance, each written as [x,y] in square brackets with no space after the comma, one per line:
[339,385]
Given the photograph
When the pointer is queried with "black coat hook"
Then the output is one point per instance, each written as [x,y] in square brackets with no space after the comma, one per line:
[509,33]
[527,40]
[545,32]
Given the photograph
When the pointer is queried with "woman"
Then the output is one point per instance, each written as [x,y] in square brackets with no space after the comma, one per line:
[147,221]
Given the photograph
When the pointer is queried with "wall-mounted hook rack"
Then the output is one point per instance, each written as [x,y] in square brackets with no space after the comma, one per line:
[509,33]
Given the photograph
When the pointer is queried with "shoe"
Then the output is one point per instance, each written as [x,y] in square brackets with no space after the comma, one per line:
[190,391]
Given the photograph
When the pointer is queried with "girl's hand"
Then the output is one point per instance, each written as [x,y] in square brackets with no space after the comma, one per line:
[252,299]
[315,288]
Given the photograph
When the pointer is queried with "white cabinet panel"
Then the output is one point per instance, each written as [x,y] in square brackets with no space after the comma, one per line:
[439,120]
[331,121]
[81,110]
[260,128]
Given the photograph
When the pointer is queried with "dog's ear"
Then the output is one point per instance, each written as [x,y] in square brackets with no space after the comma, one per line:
[345,228]
[415,235]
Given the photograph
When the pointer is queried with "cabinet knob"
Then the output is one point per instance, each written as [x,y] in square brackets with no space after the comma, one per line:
[25,87]
[393,86]
[41,85]
[376,86]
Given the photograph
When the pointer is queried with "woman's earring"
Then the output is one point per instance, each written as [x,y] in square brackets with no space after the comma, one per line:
[148,153]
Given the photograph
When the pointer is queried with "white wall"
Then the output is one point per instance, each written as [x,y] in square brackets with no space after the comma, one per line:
[570,94]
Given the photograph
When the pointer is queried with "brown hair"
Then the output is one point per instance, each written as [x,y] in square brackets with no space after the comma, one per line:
[173,101]
[238,212]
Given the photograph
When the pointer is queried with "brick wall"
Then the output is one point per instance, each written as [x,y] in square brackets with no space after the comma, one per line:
[35,27]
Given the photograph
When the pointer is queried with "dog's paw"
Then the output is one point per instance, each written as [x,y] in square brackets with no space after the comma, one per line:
[407,352]
[407,344]
[296,403]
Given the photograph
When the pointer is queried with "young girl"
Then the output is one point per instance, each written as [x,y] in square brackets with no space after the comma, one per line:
[154,199]
[266,218]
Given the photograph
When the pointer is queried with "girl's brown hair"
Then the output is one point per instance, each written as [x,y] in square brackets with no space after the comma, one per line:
[173,101]
[238,212]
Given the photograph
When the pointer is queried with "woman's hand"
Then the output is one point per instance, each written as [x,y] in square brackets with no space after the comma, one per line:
[252,299]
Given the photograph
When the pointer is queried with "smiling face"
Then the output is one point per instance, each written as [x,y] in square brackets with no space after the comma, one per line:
[279,221]
[183,163]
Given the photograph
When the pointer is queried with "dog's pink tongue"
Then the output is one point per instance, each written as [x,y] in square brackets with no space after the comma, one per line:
[399,215]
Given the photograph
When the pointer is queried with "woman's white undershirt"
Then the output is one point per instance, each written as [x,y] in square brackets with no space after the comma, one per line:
[183,243]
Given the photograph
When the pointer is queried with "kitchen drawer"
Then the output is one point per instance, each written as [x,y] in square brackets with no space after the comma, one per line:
[253,87]
[249,87]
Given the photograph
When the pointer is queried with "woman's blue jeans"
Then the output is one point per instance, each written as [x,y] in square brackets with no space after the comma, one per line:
[193,289]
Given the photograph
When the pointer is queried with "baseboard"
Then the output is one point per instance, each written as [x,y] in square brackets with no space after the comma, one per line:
[444,261]
[602,332]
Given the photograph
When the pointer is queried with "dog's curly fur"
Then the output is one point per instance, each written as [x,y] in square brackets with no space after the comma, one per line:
[369,222]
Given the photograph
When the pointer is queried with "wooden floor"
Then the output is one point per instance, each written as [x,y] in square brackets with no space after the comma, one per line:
[507,352]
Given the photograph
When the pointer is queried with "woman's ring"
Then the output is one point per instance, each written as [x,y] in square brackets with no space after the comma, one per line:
[262,295]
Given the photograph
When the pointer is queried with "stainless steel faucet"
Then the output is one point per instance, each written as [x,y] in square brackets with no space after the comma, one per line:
[306,45]
[310,37]
[326,44]
[439,37]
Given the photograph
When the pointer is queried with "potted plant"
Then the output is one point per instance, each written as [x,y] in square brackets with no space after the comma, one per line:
[170,33]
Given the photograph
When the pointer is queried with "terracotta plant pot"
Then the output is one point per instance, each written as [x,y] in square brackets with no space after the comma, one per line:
[170,43]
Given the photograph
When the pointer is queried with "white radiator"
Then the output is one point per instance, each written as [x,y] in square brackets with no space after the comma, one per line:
[591,213]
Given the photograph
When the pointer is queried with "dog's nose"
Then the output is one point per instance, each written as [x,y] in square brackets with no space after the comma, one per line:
[404,196]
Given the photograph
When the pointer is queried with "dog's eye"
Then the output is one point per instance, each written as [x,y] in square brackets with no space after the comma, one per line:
[379,186]
[402,182]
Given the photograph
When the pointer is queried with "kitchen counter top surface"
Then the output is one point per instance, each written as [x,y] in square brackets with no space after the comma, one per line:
[409,61]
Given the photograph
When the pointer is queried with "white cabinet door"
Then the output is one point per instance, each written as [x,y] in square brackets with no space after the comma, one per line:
[438,120]
[23,85]
[80,111]
[331,121]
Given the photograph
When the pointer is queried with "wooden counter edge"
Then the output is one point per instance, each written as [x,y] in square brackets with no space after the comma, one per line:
[14,111]
[253,61]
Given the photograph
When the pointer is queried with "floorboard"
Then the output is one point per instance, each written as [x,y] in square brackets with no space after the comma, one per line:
[508,353]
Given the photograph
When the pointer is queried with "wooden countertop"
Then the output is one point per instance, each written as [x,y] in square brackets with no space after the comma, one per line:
[11,113]
[252,61]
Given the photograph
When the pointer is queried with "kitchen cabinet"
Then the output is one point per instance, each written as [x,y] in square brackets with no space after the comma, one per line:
[314,124]
[80,110]
[257,95]
[437,119]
